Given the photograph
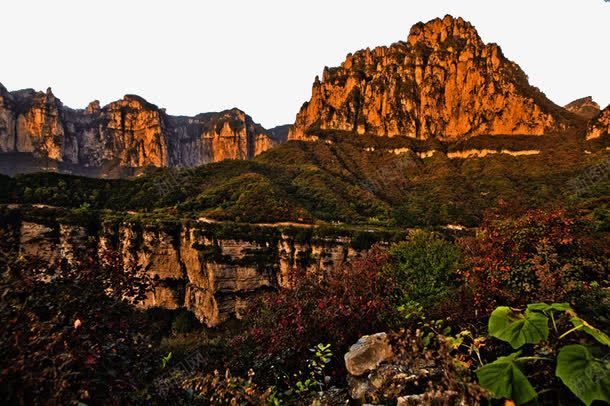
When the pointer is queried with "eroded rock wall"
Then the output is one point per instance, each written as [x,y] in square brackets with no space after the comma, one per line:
[129,133]
[215,277]
[600,125]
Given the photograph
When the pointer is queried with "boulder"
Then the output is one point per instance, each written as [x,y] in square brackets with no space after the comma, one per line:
[367,354]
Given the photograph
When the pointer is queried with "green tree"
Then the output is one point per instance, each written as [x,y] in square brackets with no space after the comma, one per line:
[423,270]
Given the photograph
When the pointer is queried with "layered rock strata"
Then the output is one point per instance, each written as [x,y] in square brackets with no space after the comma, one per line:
[212,276]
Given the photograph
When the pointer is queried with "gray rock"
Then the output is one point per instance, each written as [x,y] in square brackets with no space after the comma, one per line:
[447,398]
[367,354]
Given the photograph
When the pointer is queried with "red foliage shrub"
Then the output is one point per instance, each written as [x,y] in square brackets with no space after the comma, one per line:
[336,308]
[540,256]
[71,334]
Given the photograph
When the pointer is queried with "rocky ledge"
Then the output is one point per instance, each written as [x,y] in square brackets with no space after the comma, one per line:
[195,266]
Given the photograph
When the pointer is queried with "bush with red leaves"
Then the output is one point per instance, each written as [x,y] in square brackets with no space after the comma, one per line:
[71,334]
[335,308]
[542,256]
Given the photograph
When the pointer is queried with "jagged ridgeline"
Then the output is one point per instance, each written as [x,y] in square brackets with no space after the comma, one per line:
[37,132]
[444,82]
[431,131]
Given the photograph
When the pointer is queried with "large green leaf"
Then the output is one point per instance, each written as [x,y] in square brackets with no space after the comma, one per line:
[587,377]
[518,328]
[504,380]
[589,329]
[555,307]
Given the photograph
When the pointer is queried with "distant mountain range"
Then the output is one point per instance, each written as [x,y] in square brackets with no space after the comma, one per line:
[38,132]
[443,83]
[436,132]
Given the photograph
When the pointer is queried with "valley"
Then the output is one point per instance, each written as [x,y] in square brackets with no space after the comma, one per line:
[428,210]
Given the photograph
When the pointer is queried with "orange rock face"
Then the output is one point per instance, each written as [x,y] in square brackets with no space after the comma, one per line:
[136,132]
[443,82]
[39,128]
[585,107]
[600,125]
[129,133]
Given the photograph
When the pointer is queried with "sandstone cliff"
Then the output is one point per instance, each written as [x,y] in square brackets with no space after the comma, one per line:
[600,125]
[128,133]
[443,82]
[194,266]
[585,107]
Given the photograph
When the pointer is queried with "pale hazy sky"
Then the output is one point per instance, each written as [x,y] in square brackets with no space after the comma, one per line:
[262,56]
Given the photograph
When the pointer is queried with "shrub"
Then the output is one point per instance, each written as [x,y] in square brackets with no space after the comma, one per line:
[423,271]
[71,334]
[337,308]
[541,256]
[223,389]
[193,386]
[185,322]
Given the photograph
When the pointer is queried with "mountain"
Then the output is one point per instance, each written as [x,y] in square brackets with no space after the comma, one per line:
[470,139]
[599,127]
[128,133]
[584,107]
[443,82]
[280,133]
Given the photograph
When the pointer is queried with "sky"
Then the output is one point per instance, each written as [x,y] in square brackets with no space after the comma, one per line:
[262,56]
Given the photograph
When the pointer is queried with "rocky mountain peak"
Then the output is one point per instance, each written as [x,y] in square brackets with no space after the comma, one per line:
[127,133]
[437,32]
[5,96]
[443,82]
[134,102]
[93,107]
[585,107]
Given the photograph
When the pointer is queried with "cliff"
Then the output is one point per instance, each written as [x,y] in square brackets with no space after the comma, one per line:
[127,133]
[599,126]
[443,83]
[212,270]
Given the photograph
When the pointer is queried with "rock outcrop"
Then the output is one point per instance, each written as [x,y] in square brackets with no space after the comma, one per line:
[404,372]
[443,82]
[193,267]
[600,125]
[367,354]
[585,107]
[128,133]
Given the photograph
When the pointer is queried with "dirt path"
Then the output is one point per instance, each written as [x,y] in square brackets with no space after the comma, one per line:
[273,225]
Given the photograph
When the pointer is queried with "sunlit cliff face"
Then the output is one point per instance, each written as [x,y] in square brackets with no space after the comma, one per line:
[130,132]
[443,82]
[600,125]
